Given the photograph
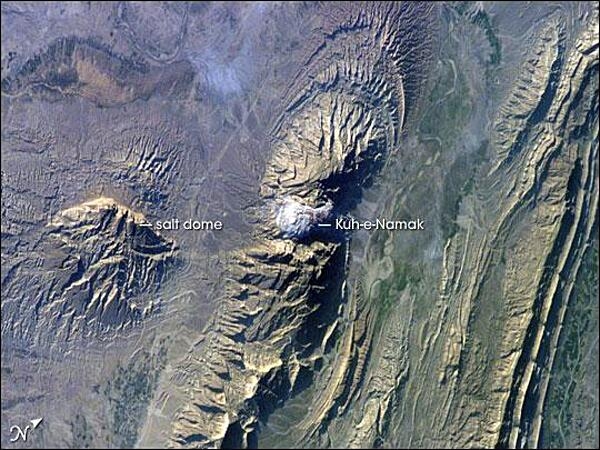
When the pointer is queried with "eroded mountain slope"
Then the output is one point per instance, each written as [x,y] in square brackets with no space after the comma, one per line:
[283,295]
[481,118]
[463,355]
[105,271]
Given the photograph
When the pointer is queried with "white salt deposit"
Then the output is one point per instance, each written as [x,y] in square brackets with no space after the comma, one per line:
[296,220]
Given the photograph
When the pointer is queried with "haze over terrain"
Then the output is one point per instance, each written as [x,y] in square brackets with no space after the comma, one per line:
[299,224]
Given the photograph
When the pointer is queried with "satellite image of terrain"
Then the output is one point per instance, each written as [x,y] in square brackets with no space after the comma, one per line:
[299,225]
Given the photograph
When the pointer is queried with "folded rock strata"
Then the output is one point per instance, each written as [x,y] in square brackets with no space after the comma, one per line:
[462,359]
[283,294]
[474,371]
[106,268]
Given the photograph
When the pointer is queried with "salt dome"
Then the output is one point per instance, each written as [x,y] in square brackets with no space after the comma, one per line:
[295,220]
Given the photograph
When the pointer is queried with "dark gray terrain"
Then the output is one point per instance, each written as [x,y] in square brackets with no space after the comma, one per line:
[123,121]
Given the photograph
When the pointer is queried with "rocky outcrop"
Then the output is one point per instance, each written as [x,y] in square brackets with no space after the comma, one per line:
[82,67]
[105,268]
[345,116]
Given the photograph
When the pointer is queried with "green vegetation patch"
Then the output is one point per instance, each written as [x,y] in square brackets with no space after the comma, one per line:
[458,184]
[391,288]
[129,391]
[571,414]
[450,106]
[481,19]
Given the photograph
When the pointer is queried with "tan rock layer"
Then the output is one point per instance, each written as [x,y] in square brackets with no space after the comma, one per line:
[282,295]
